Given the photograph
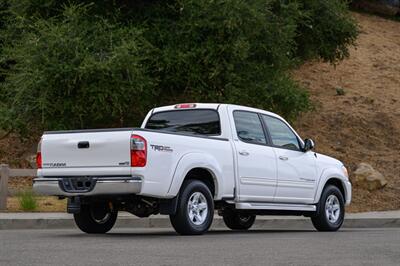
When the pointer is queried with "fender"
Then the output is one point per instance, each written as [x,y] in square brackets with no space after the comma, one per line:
[326,175]
[193,160]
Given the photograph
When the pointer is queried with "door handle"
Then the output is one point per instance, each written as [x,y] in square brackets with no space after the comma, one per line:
[83,144]
[283,158]
[244,153]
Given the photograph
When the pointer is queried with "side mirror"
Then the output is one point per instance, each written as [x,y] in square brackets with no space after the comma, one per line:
[308,145]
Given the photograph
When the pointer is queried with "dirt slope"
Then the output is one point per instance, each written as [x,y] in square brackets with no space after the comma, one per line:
[364,124]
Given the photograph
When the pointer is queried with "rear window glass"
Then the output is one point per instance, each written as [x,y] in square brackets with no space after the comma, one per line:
[201,121]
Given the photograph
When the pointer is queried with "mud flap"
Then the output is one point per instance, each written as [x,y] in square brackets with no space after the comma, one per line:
[168,206]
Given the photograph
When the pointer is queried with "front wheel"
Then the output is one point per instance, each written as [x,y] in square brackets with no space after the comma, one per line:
[330,210]
[238,221]
[195,210]
[96,218]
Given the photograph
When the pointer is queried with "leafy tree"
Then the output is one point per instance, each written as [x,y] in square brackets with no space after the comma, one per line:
[326,30]
[81,64]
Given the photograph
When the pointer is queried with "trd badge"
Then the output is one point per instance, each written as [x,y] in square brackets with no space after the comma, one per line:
[161,148]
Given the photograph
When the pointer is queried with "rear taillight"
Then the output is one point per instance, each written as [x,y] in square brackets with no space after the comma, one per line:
[39,155]
[138,151]
[39,160]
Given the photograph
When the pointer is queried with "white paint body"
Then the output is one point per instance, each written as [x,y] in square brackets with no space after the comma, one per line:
[256,178]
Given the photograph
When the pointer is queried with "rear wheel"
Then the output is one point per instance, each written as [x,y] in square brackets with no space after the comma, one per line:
[97,218]
[238,221]
[330,210]
[195,210]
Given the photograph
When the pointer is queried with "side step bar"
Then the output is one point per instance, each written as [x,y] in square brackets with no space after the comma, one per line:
[274,206]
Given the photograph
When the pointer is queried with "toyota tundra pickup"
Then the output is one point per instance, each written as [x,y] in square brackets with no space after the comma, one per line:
[188,160]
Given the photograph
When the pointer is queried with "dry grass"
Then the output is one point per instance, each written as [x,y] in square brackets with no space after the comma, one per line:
[44,204]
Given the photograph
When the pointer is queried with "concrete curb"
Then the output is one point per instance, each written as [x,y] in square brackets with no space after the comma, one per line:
[10,221]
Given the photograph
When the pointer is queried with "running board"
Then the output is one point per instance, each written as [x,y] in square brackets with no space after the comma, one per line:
[274,206]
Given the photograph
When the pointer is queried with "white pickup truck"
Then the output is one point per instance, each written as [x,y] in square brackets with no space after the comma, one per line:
[188,160]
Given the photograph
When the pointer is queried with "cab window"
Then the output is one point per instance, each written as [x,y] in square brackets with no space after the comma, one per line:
[249,127]
[281,135]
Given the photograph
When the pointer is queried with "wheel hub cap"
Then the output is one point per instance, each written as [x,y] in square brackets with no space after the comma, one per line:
[197,208]
[100,214]
[332,209]
[244,219]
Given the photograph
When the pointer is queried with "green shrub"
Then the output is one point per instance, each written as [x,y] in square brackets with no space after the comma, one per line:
[327,30]
[27,200]
[77,71]
[77,64]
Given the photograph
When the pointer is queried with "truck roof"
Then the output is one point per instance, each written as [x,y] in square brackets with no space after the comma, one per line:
[185,106]
[190,106]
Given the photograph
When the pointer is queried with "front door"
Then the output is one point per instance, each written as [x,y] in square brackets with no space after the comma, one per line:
[297,170]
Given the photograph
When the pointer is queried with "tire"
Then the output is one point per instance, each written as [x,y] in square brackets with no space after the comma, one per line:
[326,218]
[237,221]
[96,218]
[195,210]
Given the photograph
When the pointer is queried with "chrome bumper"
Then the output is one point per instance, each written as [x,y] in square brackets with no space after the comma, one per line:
[103,186]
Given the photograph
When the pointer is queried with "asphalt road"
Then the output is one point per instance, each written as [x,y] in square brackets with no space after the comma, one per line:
[218,247]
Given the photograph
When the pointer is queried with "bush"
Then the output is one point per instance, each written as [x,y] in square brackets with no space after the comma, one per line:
[327,29]
[81,65]
[75,72]
[27,200]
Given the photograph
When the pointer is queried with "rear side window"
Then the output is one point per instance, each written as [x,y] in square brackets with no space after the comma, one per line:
[200,121]
[249,127]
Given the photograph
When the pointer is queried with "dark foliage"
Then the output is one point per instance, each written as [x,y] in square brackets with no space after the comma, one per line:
[80,64]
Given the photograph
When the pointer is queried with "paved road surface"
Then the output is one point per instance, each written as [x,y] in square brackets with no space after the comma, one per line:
[218,247]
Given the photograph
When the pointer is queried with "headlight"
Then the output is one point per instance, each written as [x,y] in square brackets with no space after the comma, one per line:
[345,172]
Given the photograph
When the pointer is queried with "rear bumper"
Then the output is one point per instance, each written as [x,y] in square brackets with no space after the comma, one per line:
[103,186]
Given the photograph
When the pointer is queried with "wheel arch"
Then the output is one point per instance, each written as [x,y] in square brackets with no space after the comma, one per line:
[205,175]
[200,167]
[334,177]
[337,183]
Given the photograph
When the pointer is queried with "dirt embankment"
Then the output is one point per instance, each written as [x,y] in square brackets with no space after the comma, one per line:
[364,124]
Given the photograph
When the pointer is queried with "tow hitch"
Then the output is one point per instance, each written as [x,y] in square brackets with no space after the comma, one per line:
[74,205]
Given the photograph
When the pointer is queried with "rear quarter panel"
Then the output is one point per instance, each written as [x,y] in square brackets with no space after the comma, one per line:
[166,168]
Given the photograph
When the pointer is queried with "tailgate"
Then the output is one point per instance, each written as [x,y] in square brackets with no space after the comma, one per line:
[86,149]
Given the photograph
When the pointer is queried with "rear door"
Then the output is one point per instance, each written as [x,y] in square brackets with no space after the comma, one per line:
[256,161]
[297,171]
